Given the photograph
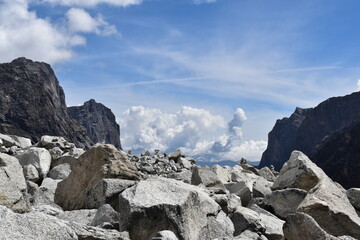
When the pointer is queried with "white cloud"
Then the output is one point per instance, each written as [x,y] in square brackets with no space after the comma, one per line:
[93,3]
[23,33]
[79,20]
[358,85]
[196,132]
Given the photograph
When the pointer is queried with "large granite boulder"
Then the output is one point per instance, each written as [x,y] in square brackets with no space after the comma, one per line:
[99,162]
[326,201]
[99,122]
[40,158]
[32,103]
[12,184]
[160,203]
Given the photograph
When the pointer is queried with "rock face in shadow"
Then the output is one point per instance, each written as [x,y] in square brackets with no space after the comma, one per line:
[99,122]
[32,103]
[328,134]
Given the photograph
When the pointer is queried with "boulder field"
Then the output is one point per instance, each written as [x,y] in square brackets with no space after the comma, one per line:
[54,190]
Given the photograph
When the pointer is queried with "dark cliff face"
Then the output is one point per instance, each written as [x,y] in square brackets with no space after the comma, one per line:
[99,122]
[317,133]
[32,103]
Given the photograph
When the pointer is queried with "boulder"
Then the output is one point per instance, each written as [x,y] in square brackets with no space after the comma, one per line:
[82,217]
[106,191]
[222,173]
[74,152]
[64,159]
[31,173]
[56,153]
[36,196]
[301,224]
[246,219]
[243,190]
[249,235]
[50,142]
[99,162]
[353,195]
[175,155]
[261,187]
[266,173]
[48,187]
[61,171]
[40,158]
[165,235]
[160,203]
[204,175]
[33,225]
[12,184]
[8,141]
[106,217]
[272,225]
[286,201]
[185,163]
[184,176]
[22,142]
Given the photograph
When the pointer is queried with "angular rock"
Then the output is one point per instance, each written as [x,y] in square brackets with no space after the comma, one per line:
[204,175]
[243,190]
[175,155]
[185,163]
[246,219]
[106,217]
[82,217]
[36,196]
[159,203]
[56,153]
[266,173]
[40,158]
[106,191]
[64,159]
[99,162]
[165,235]
[184,176]
[222,173]
[59,172]
[31,173]
[22,142]
[48,187]
[50,142]
[353,195]
[261,187]
[249,235]
[286,201]
[8,141]
[12,184]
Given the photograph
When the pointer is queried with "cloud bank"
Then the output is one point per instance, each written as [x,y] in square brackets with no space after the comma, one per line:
[197,132]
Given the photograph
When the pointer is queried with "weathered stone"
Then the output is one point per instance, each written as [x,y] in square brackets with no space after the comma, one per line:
[184,176]
[298,172]
[222,173]
[33,225]
[261,202]
[40,158]
[175,155]
[50,142]
[31,173]
[106,191]
[74,152]
[165,235]
[99,162]
[22,142]
[12,184]
[266,173]
[48,187]
[82,217]
[36,196]
[246,219]
[233,203]
[250,169]
[243,190]
[160,203]
[56,153]
[61,171]
[8,141]
[272,225]
[261,187]
[353,195]
[204,175]
[185,163]
[285,202]
[249,235]
[301,224]
[107,217]
[65,159]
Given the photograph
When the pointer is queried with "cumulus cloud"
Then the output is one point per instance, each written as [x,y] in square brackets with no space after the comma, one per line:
[79,20]
[93,3]
[197,132]
[23,33]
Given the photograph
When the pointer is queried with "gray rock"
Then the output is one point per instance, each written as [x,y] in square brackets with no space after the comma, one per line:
[33,225]
[106,217]
[222,173]
[82,217]
[243,190]
[48,187]
[95,233]
[272,225]
[106,191]
[165,235]
[50,142]
[249,235]
[75,152]
[160,203]
[246,219]
[353,195]
[8,141]
[233,203]
[266,173]
[40,158]
[99,162]
[261,202]
[48,210]
[285,202]
[204,175]
[56,153]
[185,163]
[184,176]
[30,173]
[36,196]
[175,155]
[22,142]
[261,187]
[64,159]
[61,171]
[12,184]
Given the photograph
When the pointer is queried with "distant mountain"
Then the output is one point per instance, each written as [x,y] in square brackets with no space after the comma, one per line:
[223,163]
[99,122]
[326,133]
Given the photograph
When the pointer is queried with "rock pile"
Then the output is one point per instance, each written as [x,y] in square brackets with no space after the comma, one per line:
[53,190]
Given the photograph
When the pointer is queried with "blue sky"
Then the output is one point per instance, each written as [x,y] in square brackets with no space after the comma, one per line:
[264,57]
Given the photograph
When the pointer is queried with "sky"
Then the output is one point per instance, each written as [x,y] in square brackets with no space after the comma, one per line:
[210,77]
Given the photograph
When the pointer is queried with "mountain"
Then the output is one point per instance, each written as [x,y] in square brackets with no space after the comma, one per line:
[326,133]
[99,122]
[32,103]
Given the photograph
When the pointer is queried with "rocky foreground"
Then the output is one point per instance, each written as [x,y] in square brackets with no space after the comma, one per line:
[53,190]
